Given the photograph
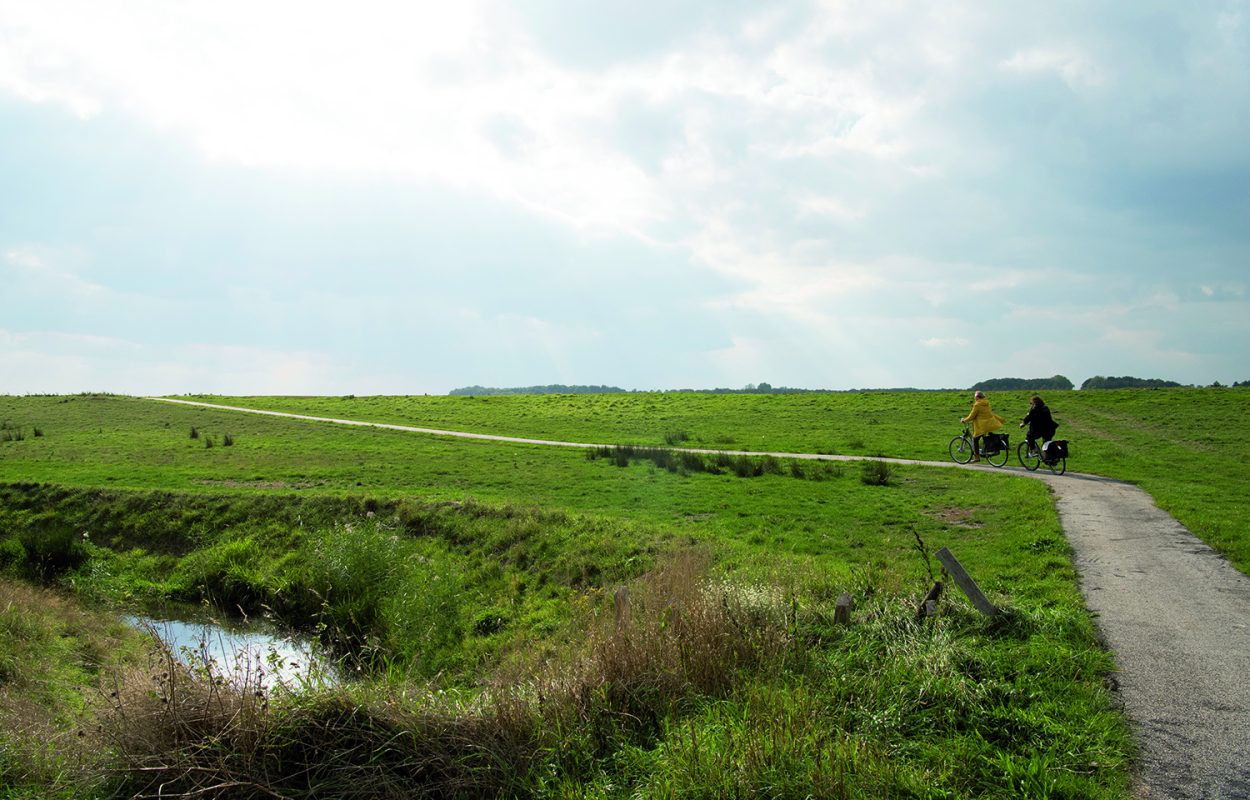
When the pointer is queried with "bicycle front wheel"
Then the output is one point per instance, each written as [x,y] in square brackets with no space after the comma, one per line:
[961,449]
[1000,458]
[1029,462]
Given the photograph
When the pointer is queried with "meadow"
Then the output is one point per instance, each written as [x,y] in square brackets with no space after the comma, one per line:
[469,585]
[1180,445]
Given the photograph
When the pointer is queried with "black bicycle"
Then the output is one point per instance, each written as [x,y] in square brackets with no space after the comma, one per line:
[1053,454]
[994,448]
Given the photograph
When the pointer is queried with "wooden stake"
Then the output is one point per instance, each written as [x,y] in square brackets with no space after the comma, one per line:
[928,606]
[966,583]
[621,601]
[842,611]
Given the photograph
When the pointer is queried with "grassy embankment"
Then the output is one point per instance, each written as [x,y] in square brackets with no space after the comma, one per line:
[460,562]
[1181,445]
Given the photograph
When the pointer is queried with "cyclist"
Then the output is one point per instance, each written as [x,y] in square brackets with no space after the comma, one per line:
[1041,424]
[983,421]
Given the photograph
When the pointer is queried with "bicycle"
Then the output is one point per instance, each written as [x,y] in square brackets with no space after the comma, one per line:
[1053,454]
[995,449]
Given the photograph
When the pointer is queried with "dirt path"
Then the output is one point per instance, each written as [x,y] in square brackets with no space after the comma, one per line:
[1174,612]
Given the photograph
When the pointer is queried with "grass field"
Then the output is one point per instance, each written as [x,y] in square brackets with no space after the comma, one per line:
[472,580]
[1180,445]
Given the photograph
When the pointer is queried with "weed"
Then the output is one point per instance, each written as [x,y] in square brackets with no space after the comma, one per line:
[227,440]
[195,432]
[52,548]
[876,472]
[676,437]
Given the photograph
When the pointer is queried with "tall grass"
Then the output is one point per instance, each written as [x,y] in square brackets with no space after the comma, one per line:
[186,731]
[703,688]
[685,462]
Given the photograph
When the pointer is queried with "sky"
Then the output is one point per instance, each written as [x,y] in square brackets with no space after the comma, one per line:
[287,197]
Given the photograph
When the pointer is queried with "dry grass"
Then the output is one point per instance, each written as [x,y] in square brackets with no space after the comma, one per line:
[179,731]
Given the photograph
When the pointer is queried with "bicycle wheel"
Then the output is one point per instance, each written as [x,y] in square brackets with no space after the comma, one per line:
[1028,462]
[1058,466]
[961,449]
[1000,458]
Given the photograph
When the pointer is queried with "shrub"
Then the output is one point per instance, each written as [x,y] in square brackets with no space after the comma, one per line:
[875,472]
[52,548]
[424,618]
[12,553]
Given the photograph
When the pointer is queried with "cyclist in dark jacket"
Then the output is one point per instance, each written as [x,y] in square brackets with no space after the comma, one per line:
[1041,424]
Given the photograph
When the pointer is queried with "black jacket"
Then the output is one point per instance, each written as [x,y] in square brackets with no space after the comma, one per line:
[1040,422]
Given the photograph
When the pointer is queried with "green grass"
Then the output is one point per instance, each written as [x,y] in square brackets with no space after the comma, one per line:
[56,658]
[1183,446]
[473,581]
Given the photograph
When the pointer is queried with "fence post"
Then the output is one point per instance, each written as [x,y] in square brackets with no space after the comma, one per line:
[620,599]
[966,583]
[842,611]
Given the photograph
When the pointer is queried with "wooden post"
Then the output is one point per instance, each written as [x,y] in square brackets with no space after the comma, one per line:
[966,583]
[928,606]
[620,599]
[842,611]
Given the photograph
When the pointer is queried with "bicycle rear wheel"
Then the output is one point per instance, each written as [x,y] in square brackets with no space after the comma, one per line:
[1058,466]
[1000,458]
[961,449]
[1029,462]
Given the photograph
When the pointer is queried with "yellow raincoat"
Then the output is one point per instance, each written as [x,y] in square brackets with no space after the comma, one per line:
[982,418]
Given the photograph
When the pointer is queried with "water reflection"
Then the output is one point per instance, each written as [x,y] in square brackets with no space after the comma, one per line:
[244,653]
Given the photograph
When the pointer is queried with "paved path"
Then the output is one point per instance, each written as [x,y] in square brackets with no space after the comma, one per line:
[1177,616]
[1174,612]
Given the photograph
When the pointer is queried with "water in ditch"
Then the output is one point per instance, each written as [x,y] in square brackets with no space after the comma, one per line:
[254,654]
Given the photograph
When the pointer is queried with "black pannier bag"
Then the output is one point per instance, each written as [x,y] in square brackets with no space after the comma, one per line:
[994,442]
[1057,448]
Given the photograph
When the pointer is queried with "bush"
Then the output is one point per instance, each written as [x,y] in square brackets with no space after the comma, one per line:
[12,553]
[875,472]
[52,548]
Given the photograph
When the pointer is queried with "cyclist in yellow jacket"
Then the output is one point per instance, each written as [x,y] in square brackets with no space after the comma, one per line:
[983,421]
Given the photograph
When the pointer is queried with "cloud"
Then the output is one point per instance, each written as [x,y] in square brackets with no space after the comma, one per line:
[59,362]
[39,265]
[812,181]
[1078,70]
[937,343]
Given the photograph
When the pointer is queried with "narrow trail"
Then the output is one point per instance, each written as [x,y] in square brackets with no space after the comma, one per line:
[1174,612]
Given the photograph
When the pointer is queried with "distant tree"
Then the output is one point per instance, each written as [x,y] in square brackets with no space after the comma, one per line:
[1022,384]
[555,388]
[1126,382]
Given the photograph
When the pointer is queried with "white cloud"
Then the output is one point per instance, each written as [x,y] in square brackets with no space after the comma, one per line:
[41,266]
[825,162]
[51,361]
[939,343]
[1078,70]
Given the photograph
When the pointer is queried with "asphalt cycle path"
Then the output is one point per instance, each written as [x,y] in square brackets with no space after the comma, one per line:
[1174,612]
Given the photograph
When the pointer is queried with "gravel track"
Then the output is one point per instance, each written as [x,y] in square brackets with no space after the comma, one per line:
[1173,611]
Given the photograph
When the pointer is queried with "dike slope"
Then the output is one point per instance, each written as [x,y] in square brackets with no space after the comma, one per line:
[1173,611]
